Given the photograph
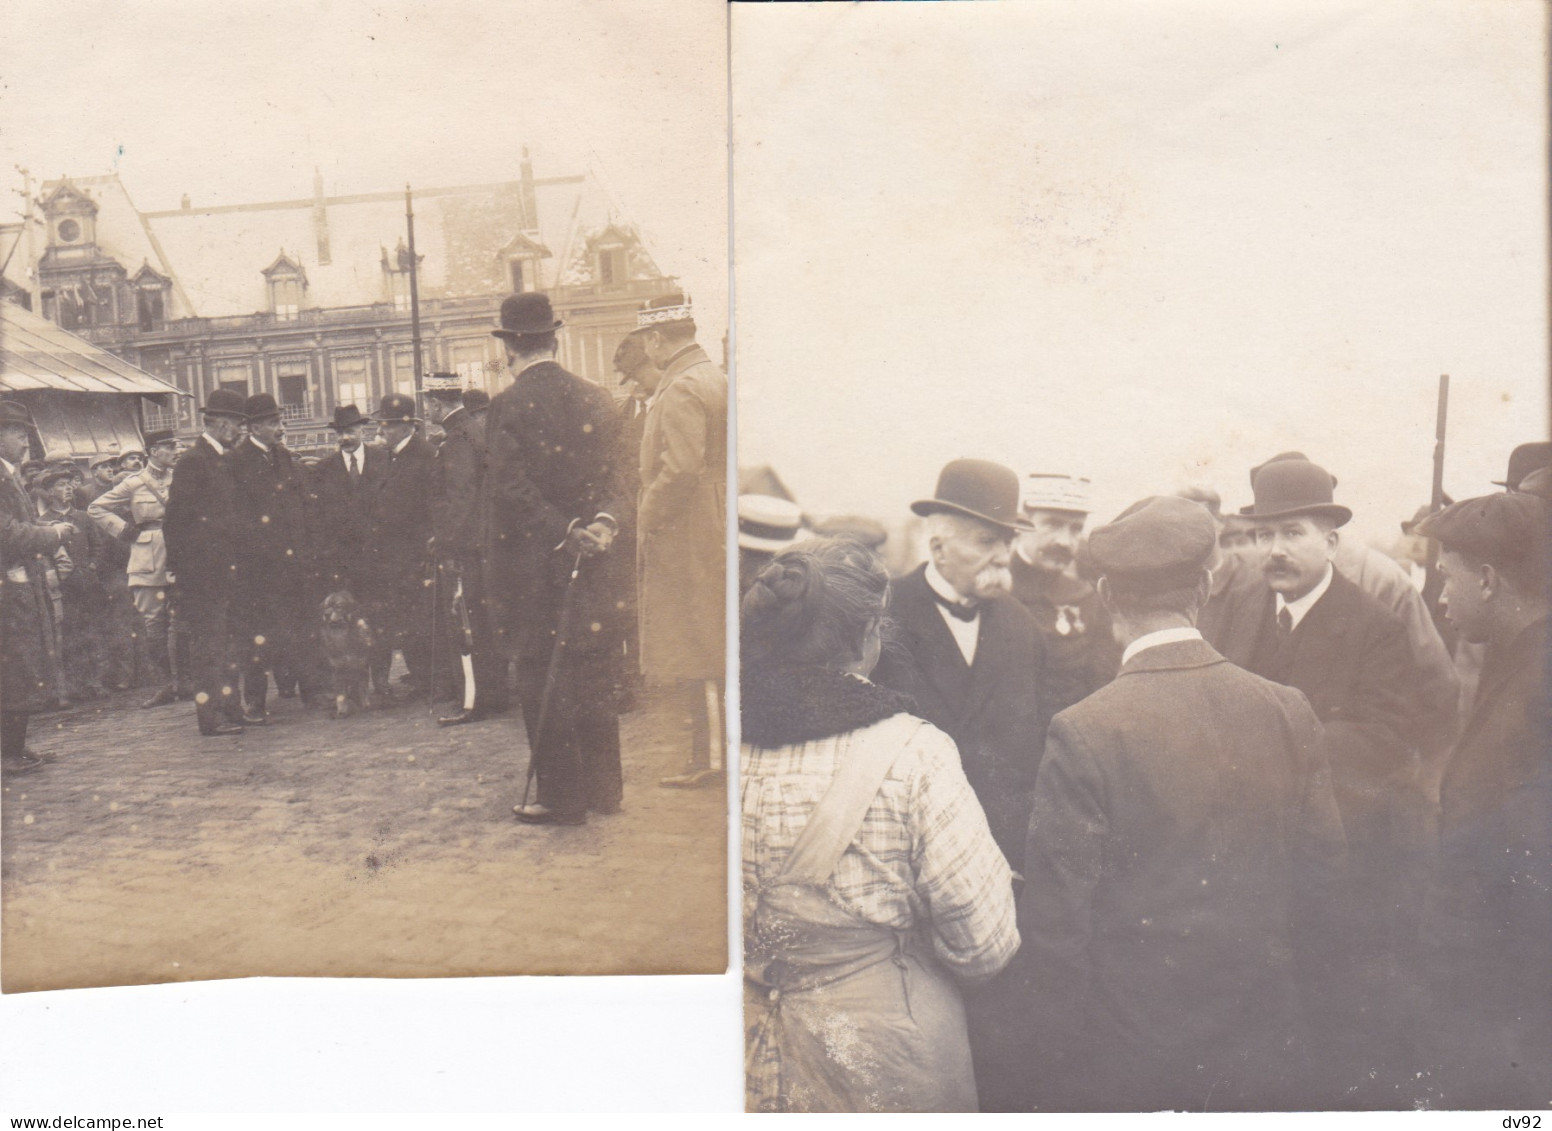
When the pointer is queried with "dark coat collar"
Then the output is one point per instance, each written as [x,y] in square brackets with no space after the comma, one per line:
[781,705]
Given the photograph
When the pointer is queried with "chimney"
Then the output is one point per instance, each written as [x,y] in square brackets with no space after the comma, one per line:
[320,219]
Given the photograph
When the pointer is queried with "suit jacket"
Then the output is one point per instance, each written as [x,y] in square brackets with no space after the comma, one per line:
[339,515]
[682,519]
[993,709]
[398,518]
[1175,866]
[1351,659]
[1490,905]
[554,459]
[29,640]
[457,511]
[272,525]
[200,527]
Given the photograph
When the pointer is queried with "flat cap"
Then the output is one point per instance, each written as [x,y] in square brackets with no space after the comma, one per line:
[1499,529]
[1157,543]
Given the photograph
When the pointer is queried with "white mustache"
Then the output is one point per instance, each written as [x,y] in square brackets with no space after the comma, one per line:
[993,581]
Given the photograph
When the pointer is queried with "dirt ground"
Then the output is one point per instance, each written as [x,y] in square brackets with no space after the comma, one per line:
[380,845]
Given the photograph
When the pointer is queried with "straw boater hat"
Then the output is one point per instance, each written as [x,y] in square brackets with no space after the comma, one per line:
[977,488]
[768,523]
[1047,491]
[526,313]
[1286,488]
[664,310]
[445,386]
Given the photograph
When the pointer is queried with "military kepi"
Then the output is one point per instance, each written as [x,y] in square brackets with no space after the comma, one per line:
[1160,542]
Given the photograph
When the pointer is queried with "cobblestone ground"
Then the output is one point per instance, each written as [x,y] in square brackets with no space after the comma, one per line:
[379,845]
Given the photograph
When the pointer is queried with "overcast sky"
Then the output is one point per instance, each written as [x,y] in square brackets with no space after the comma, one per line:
[239,101]
[1149,243]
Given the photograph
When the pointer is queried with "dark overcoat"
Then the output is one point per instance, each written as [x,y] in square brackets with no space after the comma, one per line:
[276,549]
[1174,863]
[682,520]
[1490,899]
[554,459]
[339,515]
[457,517]
[29,635]
[993,709]
[200,526]
[398,522]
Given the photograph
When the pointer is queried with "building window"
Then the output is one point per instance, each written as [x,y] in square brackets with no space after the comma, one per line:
[149,307]
[404,372]
[292,390]
[285,298]
[468,361]
[515,269]
[350,382]
[611,266]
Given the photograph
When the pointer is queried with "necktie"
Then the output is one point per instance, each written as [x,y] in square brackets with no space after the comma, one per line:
[355,468]
[1284,623]
[965,613]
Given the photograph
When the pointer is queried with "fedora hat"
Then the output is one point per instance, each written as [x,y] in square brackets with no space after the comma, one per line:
[396,408]
[526,313]
[346,416]
[1285,488]
[225,402]
[14,412]
[977,488]
[1525,459]
[261,406]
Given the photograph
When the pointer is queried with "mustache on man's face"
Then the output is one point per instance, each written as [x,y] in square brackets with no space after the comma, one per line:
[993,581]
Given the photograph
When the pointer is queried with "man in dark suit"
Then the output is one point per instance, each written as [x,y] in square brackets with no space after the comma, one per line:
[393,574]
[1313,629]
[552,490]
[340,484]
[275,599]
[458,546]
[200,532]
[1182,845]
[1489,922]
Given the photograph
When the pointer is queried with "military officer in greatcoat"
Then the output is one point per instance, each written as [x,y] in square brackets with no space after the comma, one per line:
[1080,650]
[552,490]
[29,632]
[681,521]
[275,576]
[202,537]
[458,545]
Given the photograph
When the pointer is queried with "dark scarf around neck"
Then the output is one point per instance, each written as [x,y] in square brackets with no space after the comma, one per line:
[782,705]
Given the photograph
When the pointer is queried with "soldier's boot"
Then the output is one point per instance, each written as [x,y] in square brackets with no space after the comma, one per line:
[158,640]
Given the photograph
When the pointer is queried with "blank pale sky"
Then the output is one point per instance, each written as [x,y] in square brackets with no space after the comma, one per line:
[1147,243]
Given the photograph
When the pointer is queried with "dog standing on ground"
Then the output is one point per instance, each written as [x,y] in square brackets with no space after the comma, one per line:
[347,641]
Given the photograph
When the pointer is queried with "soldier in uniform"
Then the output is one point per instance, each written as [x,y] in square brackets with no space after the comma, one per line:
[275,598]
[1080,651]
[552,490]
[393,575]
[144,497]
[458,544]
[29,636]
[121,628]
[80,569]
[681,520]
[201,536]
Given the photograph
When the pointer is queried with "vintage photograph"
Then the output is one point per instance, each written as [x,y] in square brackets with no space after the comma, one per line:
[363,427]
[1143,533]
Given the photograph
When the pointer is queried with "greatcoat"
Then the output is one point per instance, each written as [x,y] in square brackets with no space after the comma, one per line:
[682,518]
[29,634]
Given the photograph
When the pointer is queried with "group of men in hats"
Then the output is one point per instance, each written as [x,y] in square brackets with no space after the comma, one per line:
[1264,861]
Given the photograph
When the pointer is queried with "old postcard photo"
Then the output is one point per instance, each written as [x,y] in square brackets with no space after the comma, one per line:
[364,398]
[1143,533]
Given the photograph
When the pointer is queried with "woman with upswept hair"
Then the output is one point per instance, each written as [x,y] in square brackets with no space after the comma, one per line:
[872,885]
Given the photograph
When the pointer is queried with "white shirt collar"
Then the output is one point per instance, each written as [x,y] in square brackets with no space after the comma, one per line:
[940,585]
[256,442]
[214,443]
[1297,609]
[1154,639]
[400,446]
[9,468]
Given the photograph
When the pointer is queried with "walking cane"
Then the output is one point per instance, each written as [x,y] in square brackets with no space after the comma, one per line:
[562,626]
[436,573]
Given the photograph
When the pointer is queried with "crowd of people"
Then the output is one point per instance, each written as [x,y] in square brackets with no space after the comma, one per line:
[1195,811]
[553,548]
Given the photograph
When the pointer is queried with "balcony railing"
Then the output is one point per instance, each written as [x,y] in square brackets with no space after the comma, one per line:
[295,413]
[155,419]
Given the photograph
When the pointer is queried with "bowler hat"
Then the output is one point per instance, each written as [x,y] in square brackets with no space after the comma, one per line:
[14,412]
[261,406]
[1278,458]
[162,436]
[1525,459]
[527,313]
[226,402]
[1286,488]
[346,416]
[1157,543]
[475,399]
[1538,483]
[396,408]
[979,489]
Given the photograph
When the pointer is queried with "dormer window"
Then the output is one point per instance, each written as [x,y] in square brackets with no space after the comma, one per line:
[150,289]
[612,266]
[287,284]
[522,254]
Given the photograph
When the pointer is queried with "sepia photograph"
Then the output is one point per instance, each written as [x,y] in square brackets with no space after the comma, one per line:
[363,420]
[1143,533]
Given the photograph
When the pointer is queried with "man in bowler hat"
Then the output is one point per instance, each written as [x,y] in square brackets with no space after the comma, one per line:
[552,491]
[1489,920]
[202,538]
[341,483]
